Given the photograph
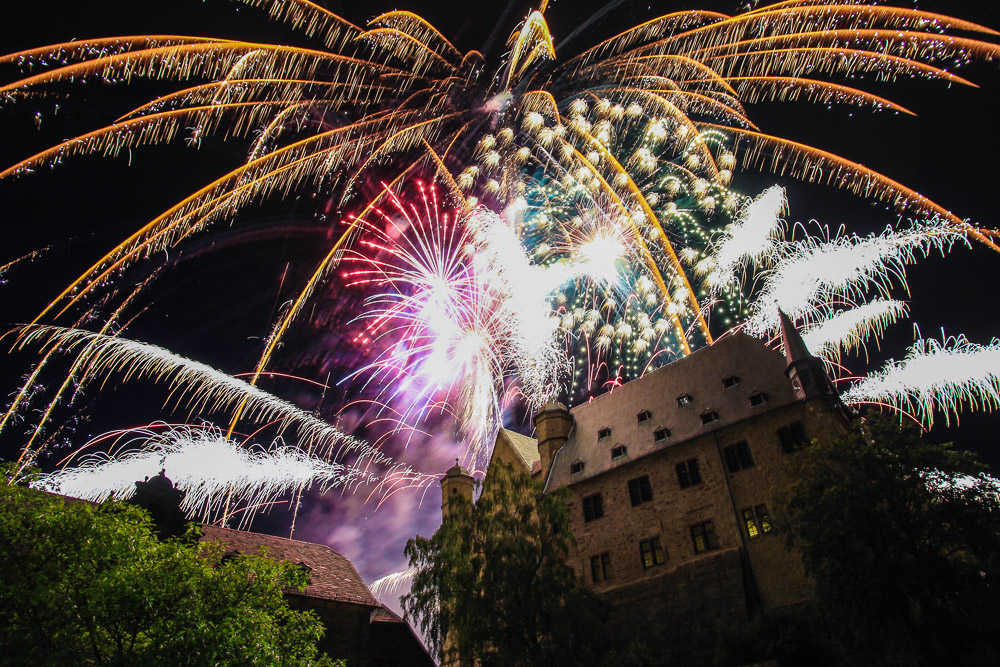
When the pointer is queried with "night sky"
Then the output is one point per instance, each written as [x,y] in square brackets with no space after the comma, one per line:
[218,299]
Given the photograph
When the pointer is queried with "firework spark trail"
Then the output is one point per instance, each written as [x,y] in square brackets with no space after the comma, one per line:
[207,466]
[848,329]
[982,487]
[935,376]
[754,238]
[813,273]
[388,585]
[199,385]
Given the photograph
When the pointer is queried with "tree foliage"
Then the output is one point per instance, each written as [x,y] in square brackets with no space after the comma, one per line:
[494,580]
[903,539]
[81,585]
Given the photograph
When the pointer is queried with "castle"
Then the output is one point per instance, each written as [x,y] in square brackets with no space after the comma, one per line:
[672,476]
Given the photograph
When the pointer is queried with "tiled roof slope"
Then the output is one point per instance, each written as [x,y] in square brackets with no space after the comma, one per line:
[527,448]
[331,577]
[699,375]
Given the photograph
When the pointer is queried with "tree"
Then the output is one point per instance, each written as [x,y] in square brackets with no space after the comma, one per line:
[903,539]
[493,581]
[81,585]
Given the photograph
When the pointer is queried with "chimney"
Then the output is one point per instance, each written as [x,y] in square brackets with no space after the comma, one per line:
[552,426]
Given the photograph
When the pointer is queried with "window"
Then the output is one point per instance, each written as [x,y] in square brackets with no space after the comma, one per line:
[600,567]
[758,398]
[577,467]
[688,473]
[684,399]
[651,552]
[757,521]
[709,417]
[661,434]
[738,456]
[618,452]
[703,537]
[792,437]
[639,490]
[730,381]
[604,433]
[644,416]
[593,507]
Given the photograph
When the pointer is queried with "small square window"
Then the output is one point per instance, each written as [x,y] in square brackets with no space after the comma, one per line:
[604,433]
[757,399]
[644,416]
[618,452]
[593,507]
[577,467]
[688,473]
[661,434]
[738,456]
[730,381]
[792,437]
[651,552]
[684,399]
[703,537]
[709,417]
[600,567]
[640,490]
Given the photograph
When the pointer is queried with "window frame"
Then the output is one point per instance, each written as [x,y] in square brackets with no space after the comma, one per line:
[640,488]
[604,433]
[643,417]
[661,434]
[793,436]
[595,503]
[653,547]
[688,473]
[621,450]
[738,457]
[730,381]
[577,467]
[705,532]
[757,521]
[684,399]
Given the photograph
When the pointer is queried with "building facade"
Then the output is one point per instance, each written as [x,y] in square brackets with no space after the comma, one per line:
[672,478]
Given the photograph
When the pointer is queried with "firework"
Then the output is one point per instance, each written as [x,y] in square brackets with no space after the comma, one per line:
[211,469]
[935,377]
[849,329]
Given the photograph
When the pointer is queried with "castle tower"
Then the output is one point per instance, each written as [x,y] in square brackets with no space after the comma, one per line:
[804,371]
[456,483]
[553,424]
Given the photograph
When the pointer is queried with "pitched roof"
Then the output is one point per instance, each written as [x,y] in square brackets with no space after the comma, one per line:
[708,404]
[331,575]
[526,448]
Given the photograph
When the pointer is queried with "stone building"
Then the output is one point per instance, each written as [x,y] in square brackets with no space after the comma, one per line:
[673,476]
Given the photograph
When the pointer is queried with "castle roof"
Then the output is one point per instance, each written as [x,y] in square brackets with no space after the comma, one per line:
[331,575]
[700,393]
[525,447]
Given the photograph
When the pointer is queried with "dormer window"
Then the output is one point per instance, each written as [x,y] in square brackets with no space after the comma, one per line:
[730,381]
[604,433]
[644,416]
[709,417]
[684,399]
[661,434]
[618,452]
[757,399]
[576,468]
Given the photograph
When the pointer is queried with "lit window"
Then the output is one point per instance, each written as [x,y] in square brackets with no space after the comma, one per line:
[684,399]
[688,473]
[792,437]
[600,567]
[661,434]
[639,490]
[651,552]
[575,468]
[730,381]
[757,399]
[604,433]
[593,507]
[738,456]
[703,537]
[757,521]
[709,417]
[619,451]
[644,416]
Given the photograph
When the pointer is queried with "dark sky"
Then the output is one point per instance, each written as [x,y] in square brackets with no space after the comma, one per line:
[948,152]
